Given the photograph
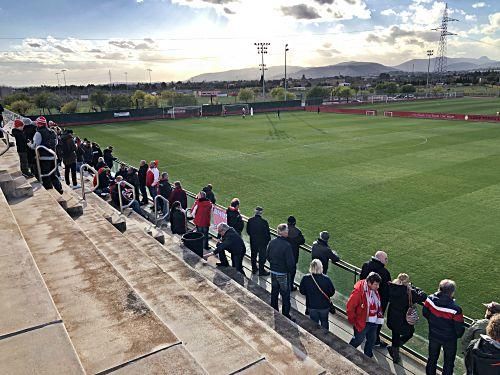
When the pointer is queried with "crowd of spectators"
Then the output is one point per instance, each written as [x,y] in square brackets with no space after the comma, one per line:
[374,295]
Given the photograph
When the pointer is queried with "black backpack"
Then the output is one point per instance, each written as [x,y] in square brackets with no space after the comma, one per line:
[478,363]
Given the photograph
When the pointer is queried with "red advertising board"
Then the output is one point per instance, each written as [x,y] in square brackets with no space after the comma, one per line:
[218,216]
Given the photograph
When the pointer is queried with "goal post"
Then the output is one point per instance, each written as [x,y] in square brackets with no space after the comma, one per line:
[387,114]
[371,113]
[184,112]
[234,109]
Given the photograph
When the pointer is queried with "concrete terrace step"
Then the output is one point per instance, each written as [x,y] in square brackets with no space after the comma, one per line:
[107,322]
[29,319]
[284,351]
[203,334]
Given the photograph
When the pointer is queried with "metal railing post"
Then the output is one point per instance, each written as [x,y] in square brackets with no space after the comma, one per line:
[54,158]
[82,179]
[165,215]
[7,141]
[119,186]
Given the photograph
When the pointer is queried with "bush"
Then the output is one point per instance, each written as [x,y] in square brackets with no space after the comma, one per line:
[119,101]
[246,95]
[21,106]
[69,107]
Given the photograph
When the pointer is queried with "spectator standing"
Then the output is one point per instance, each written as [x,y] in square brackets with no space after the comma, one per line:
[258,230]
[282,265]
[402,296]
[46,137]
[164,189]
[96,154]
[364,312]
[482,356]
[378,264]
[202,213]
[232,242]
[79,153]
[152,179]
[323,252]
[21,147]
[108,157]
[69,158]
[132,178]
[100,164]
[122,171]
[296,239]
[479,326]
[318,289]
[143,171]
[446,325]
[178,222]
[210,193]
[29,131]
[234,219]
[178,194]
[86,150]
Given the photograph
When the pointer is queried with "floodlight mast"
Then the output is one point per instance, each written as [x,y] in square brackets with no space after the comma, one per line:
[286,50]
[430,52]
[149,71]
[262,50]
[58,83]
[64,75]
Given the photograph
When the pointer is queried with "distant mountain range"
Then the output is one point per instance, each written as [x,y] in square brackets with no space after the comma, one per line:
[350,68]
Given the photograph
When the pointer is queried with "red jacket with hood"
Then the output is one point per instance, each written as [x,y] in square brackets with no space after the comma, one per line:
[202,212]
[357,306]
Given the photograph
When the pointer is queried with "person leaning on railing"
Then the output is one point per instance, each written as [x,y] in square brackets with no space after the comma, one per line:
[479,326]
[259,233]
[296,239]
[482,356]
[320,250]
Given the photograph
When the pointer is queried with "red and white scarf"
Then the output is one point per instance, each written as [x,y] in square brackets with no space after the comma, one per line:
[374,314]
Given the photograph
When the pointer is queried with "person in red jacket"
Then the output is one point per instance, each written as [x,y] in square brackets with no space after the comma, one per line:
[202,213]
[364,312]
[153,178]
[178,194]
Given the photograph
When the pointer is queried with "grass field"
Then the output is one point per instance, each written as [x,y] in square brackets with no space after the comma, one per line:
[426,191]
[467,105]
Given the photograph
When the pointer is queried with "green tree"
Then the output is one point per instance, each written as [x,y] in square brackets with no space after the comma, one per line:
[151,101]
[391,88]
[45,101]
[118,101]
[278,93]
[408,89]
[438,90]
[69,107]
[98,99]
[21,106]
[344,92]
[318,92]
[138,98]
[9,99]
[246,95]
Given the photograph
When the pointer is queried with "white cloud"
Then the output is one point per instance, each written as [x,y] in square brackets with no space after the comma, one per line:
[494,24]
[470,17]
[388,12]
[479,5]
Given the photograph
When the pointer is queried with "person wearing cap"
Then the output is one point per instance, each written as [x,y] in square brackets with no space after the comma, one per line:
[482,356]
[22,147]
[323,252]
[108,157]
[479,327]
[47,138]
[234,219]
[296,239]
[258,230]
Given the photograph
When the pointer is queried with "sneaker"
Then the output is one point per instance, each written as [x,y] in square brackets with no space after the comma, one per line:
[294,288]
[28,175]
[264,273]
[77,186]
[381,344]
[218,264]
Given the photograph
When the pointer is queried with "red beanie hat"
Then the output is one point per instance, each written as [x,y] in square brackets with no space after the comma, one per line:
[41,121]
[18,123]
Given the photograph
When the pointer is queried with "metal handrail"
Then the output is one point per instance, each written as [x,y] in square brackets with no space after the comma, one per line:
[7,141]
[157,219]
[82,179]
[37,153]
[119,187]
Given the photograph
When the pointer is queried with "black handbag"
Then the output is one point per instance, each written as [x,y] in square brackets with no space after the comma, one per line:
[333,310]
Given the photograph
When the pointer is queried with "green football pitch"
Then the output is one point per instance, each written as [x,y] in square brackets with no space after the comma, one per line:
[467,105]
[426,191]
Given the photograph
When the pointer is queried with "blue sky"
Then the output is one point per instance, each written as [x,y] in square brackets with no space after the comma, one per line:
[181,38]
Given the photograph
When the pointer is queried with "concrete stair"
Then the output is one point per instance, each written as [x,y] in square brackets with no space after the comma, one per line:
[260,325]
[14,186]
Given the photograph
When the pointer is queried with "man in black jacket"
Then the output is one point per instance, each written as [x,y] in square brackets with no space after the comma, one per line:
[258,230]
[483,354]
[377,264]
[232,242]
[321,250]
[29,131]
[234,219]
[22,147]
[282,264]
[210,193]
[296,239]
[108,157]
[446,325]
[143,170]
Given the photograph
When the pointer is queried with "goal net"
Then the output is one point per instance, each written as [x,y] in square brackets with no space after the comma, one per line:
[234,109]
[371,113]
[378,98]
[387,114]
[183,112]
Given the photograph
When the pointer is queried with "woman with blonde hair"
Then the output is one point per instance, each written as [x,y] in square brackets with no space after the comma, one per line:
[318,289]
[401,316]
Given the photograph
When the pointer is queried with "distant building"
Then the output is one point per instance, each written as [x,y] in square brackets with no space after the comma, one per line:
[346,84]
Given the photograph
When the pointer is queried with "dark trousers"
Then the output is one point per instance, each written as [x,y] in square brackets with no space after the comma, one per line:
[71,167]
[320,316]
[400,338]
[144,194]
[370,333]
[237,262]
[204,230]
[223,258]
[292,277]
[259,251]
[153,192]
[280,284]
[23,162]
[52,180]
[450,352]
